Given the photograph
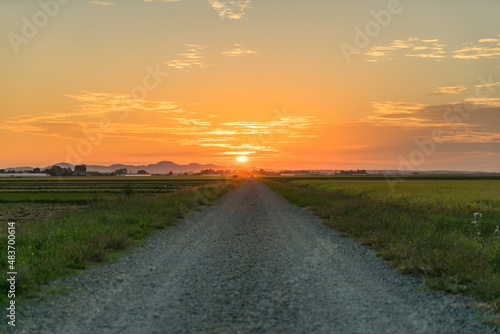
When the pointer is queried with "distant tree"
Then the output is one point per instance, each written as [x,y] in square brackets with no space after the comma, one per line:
[142,171]
[36,170]
[80,169]
[170,173]
[58,171]
[121,171]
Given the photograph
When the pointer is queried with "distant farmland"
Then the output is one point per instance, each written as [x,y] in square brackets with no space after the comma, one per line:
[25,199]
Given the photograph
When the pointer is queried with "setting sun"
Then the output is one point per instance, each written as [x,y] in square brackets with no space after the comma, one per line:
[241,159]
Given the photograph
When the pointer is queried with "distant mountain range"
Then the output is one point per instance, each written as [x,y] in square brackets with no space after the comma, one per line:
[161,167]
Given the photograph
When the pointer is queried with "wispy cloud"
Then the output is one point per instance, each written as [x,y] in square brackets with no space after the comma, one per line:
[484,48]
[433,49]
[230,9]
[411,47]
[191,58]
[226,9]
[485,102]
[101,3]
[396,113]
[162,0]
[237,51]
[162,122]
[449,90]
[458,122]
[487,85]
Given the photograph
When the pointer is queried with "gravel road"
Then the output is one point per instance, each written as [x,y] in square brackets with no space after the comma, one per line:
[249,263]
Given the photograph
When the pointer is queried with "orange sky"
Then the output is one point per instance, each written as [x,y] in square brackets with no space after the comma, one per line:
[291,84]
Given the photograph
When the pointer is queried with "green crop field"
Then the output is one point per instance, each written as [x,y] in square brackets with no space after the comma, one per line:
[444,229]
[64,224]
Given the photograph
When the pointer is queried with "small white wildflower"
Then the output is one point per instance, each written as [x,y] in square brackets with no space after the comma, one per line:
[474,222]
[477,215]
[497,230]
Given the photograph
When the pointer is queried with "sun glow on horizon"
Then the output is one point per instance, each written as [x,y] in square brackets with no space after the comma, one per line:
[242,159]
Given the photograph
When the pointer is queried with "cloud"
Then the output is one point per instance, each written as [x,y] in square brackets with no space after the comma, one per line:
[230,9]
[485,102]
[226,9]
[162,122]
[395,113]
[449,90]
[475,120]
[101,3]
[484,48]
[433,49]
[411,47]
[237,51]
[191,58]
[487,85]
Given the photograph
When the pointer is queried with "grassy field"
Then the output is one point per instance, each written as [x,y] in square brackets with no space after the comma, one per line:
[95,217]
[444,229]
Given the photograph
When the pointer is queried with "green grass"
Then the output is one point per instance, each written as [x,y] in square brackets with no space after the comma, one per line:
[423,226]
[50,248]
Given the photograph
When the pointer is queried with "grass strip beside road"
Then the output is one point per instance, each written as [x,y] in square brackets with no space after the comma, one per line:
[437,242]
[52,248]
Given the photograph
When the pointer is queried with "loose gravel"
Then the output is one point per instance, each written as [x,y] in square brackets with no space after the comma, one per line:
[249,263]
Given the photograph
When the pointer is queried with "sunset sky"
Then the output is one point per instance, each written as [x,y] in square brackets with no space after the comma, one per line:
[318,84]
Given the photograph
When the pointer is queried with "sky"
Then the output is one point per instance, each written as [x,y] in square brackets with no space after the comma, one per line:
[295,84]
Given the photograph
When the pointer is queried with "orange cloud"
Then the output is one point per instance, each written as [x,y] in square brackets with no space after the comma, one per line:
[449,90]
[433,49]
[190,59]
[411,47]
[158,123]
[484,48]
[101,3]
[237,51]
